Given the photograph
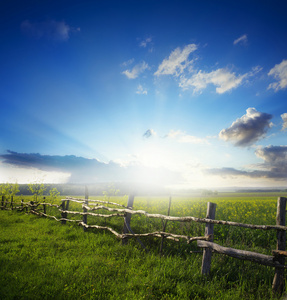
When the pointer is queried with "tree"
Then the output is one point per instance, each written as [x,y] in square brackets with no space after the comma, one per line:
[13,189]
[112,191]
[3,189]
[54,194]
[37,189]
[9,189]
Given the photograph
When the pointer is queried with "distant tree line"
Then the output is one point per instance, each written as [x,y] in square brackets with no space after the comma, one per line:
[261,191]
[95,189]
[63,189]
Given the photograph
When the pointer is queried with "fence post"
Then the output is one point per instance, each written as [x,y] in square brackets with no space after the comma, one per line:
[85,217]
[2,202]
[127,218]
[65,206]
[11,204]
[207,253]
[278,281]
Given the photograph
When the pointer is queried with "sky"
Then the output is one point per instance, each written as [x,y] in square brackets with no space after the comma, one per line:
[185,94]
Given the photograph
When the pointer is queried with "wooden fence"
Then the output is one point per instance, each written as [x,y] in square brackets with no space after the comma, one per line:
[90,207]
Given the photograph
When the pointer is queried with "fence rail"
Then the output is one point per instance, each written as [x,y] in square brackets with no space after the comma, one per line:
[277,259]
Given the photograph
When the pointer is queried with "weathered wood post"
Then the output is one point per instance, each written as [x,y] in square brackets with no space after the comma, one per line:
[65,207]
[207,253]
[2,202]
[278,281]
[85,217]
[127,219]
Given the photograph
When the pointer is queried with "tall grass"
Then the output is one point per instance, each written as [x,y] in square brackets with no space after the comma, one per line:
[42,259]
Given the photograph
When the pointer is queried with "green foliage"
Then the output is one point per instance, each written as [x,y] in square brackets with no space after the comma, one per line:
[53,194]
[3,190]
[37,189]
[112,191]
[9,189]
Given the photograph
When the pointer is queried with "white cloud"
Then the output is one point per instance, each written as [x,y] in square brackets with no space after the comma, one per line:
[177,61]
[248,129]
[182,137]
[141,90]
[223,79]
[284,118]
[241,40]
[136,70]
[145,42]
[179,65]
[279,72]
[53,30]
[128,62]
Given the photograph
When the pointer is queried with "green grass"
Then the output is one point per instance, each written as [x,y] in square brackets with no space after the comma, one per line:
[42,259]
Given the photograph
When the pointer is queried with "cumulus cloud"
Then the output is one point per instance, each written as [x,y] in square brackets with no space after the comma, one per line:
[53,30]
[248,129]
[83,170]
[284,118]
[141,90]
[136,70]
[273,154]
[182,68]
[177,62]
[149,133]
[275,161]
[279,72]
[241,40]
[274,165]
[182,137]
[223,79]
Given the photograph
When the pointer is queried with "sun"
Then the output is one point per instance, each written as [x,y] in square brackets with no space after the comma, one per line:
[155,156]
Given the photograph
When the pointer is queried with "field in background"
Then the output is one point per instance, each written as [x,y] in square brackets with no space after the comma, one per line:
[42,259]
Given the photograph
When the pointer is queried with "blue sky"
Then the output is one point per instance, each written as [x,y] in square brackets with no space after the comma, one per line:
[182,93]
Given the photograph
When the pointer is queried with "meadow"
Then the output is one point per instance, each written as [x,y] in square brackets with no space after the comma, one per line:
[43,259]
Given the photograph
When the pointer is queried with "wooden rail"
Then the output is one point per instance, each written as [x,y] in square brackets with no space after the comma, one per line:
[262,259]
[277,260]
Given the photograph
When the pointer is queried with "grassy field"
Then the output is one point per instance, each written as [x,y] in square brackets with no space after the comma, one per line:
[42,259]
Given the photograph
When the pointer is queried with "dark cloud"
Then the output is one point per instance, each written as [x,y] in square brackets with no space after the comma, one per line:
[149,133]
[248,129]
[273,167]
[84,170]
[273,154]
[233,173]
